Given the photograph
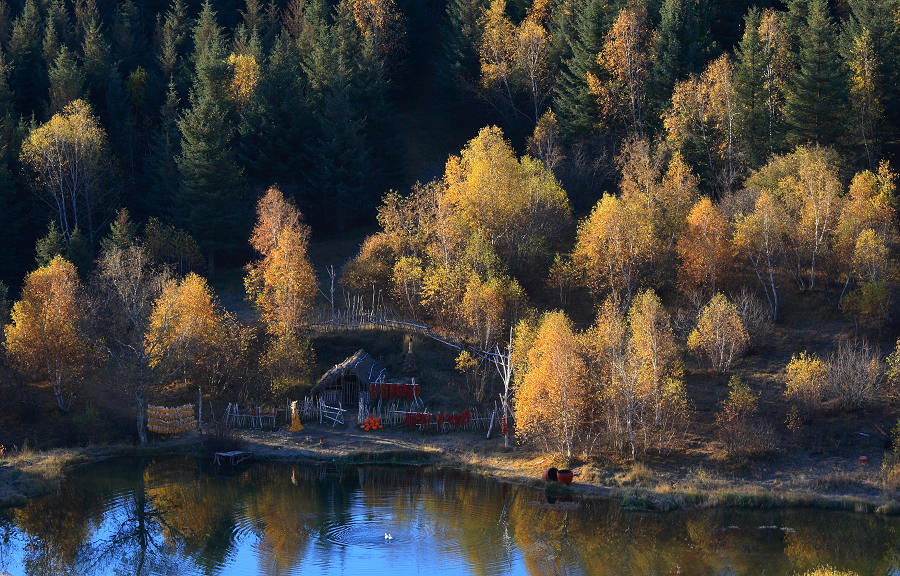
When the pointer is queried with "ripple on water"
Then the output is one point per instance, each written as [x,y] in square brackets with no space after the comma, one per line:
[369,532]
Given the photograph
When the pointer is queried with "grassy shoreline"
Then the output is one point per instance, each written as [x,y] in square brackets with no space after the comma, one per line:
[31,474]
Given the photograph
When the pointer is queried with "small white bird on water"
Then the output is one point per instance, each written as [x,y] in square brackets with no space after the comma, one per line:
[387,536]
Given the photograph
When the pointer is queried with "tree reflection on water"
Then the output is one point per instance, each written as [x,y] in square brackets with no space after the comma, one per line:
[178,516]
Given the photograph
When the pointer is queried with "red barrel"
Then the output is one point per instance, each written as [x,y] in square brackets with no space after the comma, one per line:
[565,476]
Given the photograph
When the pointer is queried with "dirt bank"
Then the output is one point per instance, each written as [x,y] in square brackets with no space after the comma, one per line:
[684,481]
[662,484]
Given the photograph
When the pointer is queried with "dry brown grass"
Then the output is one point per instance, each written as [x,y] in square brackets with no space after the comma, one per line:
[829,571]
[637,474]
[891,473]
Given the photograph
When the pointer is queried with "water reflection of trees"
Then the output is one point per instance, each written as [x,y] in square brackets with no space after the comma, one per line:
[174,516]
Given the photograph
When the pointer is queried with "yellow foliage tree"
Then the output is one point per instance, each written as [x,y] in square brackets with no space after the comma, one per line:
[701,119]
[720,334]
[282,285]
[68,155]
[184,317]
[553,396]
[659,377]
[244,77]
[864,89]
[704,248]
[613,243]
[637,366]
[383,21]
[759,236]
[806,380]
[625,60]
[45,336]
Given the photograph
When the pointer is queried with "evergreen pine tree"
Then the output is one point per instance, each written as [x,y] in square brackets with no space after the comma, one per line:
[816,95]
[122,232]
[52,244]
[5,23]
[79,252]
[574,105]
[749,87]
[209,202]
[13,215]
[51,44]
[682,46]
[66,80]
[160,167]
[342,157]
[29,73]
[173,46]
[127,37]
[461,69]
[277,123]
[97,62]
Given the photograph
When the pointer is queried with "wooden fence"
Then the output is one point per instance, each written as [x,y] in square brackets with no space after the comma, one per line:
[249,417]
[357,317]
[391,415]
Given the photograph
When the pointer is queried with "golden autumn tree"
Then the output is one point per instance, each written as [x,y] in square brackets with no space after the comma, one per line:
[759,236]
[806,186]
[497,51]
[184,317]
[457,252]
[864,90]
[553,397]
[779,67]
[659,377]
[515,204]
[701,121]
[68,156]
[864,239]
[613,243]
[662,185]
[637,367]
[806,380]
[720,335]
[625,61]
[704,248]
[544,142]
[876,273]
[533,61]
[383,22]
[282,284]
[244,77]
[45,337]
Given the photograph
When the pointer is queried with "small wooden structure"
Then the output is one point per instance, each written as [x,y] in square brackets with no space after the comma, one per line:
[171,420]
[341,386]
[234,457]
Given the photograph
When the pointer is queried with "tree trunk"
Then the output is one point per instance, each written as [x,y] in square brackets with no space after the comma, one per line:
[142,432]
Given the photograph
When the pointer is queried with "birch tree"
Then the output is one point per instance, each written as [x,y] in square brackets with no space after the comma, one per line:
[553,397]
[759,236]
[613,243]
[46,336]
[625,60]
[68,155]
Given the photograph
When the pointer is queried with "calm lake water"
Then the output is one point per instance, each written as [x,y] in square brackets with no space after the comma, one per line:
[180,516]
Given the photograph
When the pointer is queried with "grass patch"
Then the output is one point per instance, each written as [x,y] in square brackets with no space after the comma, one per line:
[638,474]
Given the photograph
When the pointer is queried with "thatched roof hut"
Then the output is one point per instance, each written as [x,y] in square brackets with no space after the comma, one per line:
[343,383]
